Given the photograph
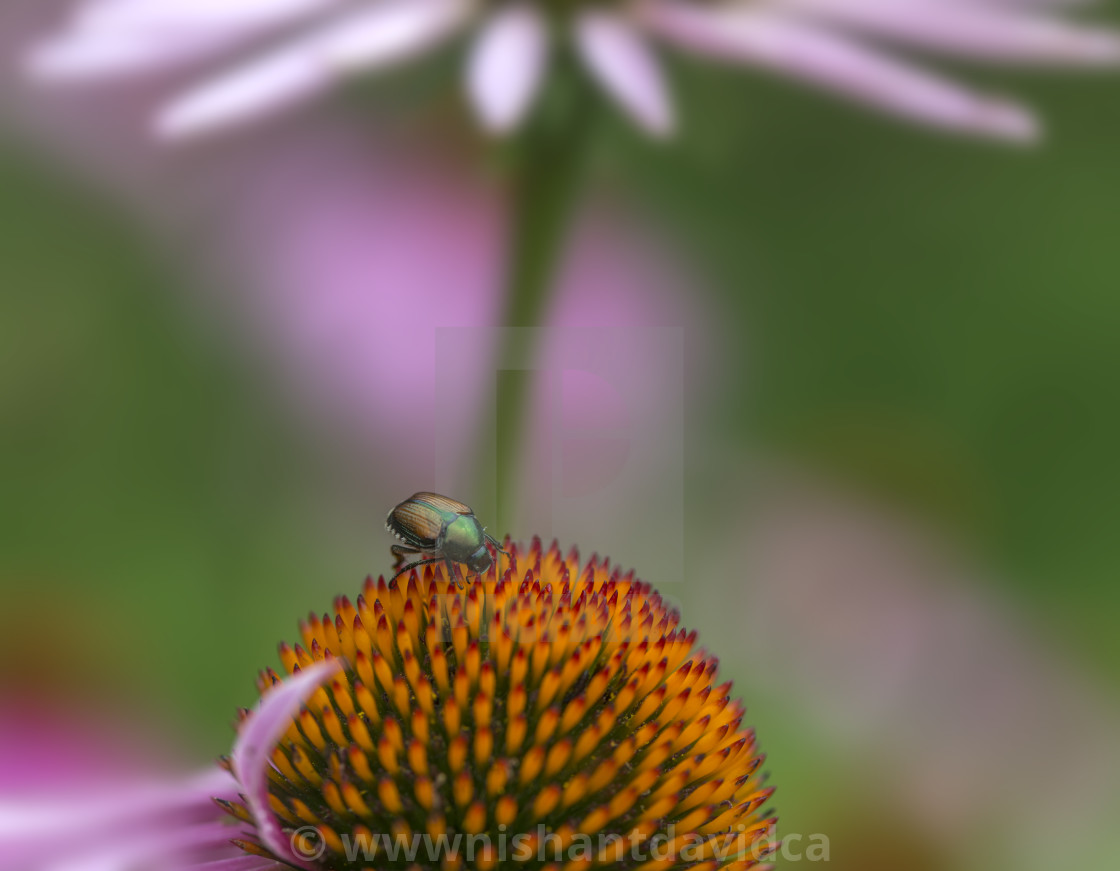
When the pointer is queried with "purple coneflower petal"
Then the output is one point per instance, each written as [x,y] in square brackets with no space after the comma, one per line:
[160,850]
[507,65]
[797,49]
[626,67]
[98,830]
[259,736]
[385,33]
[988,32]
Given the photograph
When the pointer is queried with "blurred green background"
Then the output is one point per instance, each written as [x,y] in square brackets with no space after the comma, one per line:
[936,320]
[932,322]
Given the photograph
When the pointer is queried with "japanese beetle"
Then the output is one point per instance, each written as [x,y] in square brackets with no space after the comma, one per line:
[440,529]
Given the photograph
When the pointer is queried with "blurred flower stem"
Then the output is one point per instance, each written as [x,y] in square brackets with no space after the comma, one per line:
[548,163]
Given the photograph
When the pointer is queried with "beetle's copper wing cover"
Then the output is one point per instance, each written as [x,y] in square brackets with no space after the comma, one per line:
[416,524]
[420,520]
[442,503]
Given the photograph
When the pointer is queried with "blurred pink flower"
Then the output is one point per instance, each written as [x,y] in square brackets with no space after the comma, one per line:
[893,648]
[376,305]
[78,814]
[328,301]
[839,45]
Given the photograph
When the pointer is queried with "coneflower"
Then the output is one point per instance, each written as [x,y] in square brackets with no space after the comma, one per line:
[551,715]
[554,712]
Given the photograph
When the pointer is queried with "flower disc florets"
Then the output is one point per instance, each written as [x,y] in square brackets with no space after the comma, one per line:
[549,715]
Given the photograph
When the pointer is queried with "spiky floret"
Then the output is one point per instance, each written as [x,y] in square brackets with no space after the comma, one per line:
[548,697]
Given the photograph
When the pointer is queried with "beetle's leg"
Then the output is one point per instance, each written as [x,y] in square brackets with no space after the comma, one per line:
[403,552]
[411,566]
[452,574]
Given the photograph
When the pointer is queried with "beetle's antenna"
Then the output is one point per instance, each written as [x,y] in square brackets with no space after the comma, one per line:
[497,545]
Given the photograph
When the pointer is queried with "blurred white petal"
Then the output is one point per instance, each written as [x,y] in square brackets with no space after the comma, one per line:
[841,45]
[390,31]
[109,54]
[799,50]
[147,15]
[985,31]
[386,33]
[259,89]
[625,65]
[507,65]
[126,37]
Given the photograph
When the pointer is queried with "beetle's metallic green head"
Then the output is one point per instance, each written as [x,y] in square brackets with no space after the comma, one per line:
[465,542]
[480,561]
